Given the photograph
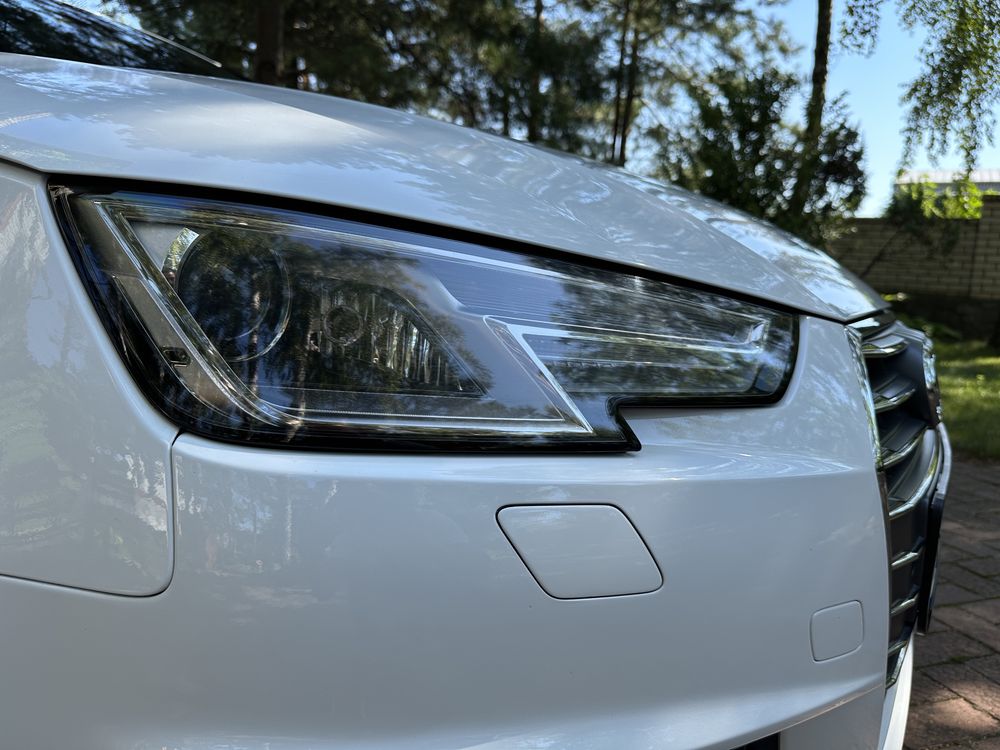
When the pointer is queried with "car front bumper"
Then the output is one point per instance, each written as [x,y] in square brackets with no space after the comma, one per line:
[335,600]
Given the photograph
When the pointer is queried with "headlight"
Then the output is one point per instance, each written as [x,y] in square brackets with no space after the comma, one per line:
[246,323]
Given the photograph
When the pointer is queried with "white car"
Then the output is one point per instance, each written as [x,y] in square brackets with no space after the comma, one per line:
[327,426]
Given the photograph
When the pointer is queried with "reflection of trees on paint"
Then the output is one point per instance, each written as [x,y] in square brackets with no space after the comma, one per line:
[627,336]
[46,382]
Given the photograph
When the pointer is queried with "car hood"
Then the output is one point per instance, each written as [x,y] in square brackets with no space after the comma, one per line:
[76,119]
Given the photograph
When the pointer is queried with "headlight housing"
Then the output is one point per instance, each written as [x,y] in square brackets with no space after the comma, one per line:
[248,323]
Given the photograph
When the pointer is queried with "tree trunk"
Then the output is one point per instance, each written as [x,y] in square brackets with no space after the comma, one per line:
[470,100]
[535,94]
[631,89]
[620,79]
[269,56]
[814,111]
[505,112]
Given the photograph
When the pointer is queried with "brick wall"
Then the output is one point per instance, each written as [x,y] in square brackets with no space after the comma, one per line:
[959,258]
[986,270]
[952,272]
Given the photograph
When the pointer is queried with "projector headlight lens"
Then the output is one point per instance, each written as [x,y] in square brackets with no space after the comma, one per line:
[279,327]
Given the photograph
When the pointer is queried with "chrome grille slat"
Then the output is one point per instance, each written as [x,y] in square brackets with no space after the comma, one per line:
[884,345]
[892,392]
[901,607]
[906,558]
[901,440]
[896,648]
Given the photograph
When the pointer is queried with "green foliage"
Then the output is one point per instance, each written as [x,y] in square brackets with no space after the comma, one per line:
[953,98]
[649,45]
[497,65]
[738,144]
[933,217]
[916,202]
[859,26]
[740,150]
[939,332]
[365,49]
[970,396]
[507,68]
[576,76]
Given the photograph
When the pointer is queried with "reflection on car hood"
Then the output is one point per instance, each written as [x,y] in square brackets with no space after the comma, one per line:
[77,119]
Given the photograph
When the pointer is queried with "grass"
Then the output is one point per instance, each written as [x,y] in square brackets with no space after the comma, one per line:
[969,372]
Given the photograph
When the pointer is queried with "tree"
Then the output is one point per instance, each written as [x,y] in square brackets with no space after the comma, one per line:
[645,32]
[916,201]
[955,94]
[953,97]
[364,49]
[809,157]
[269,59]
[506,67]
[739,150]
[497,65]
[737,142]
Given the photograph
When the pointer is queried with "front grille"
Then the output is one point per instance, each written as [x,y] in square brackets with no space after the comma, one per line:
[912,460]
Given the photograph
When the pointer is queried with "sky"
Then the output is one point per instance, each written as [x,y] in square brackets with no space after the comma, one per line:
[873,87]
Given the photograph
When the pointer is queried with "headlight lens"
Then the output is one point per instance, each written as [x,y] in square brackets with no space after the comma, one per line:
[247,323]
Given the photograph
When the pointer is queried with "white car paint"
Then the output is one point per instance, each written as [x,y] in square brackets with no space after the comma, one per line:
[84,462]
[161,590]
[72,118]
